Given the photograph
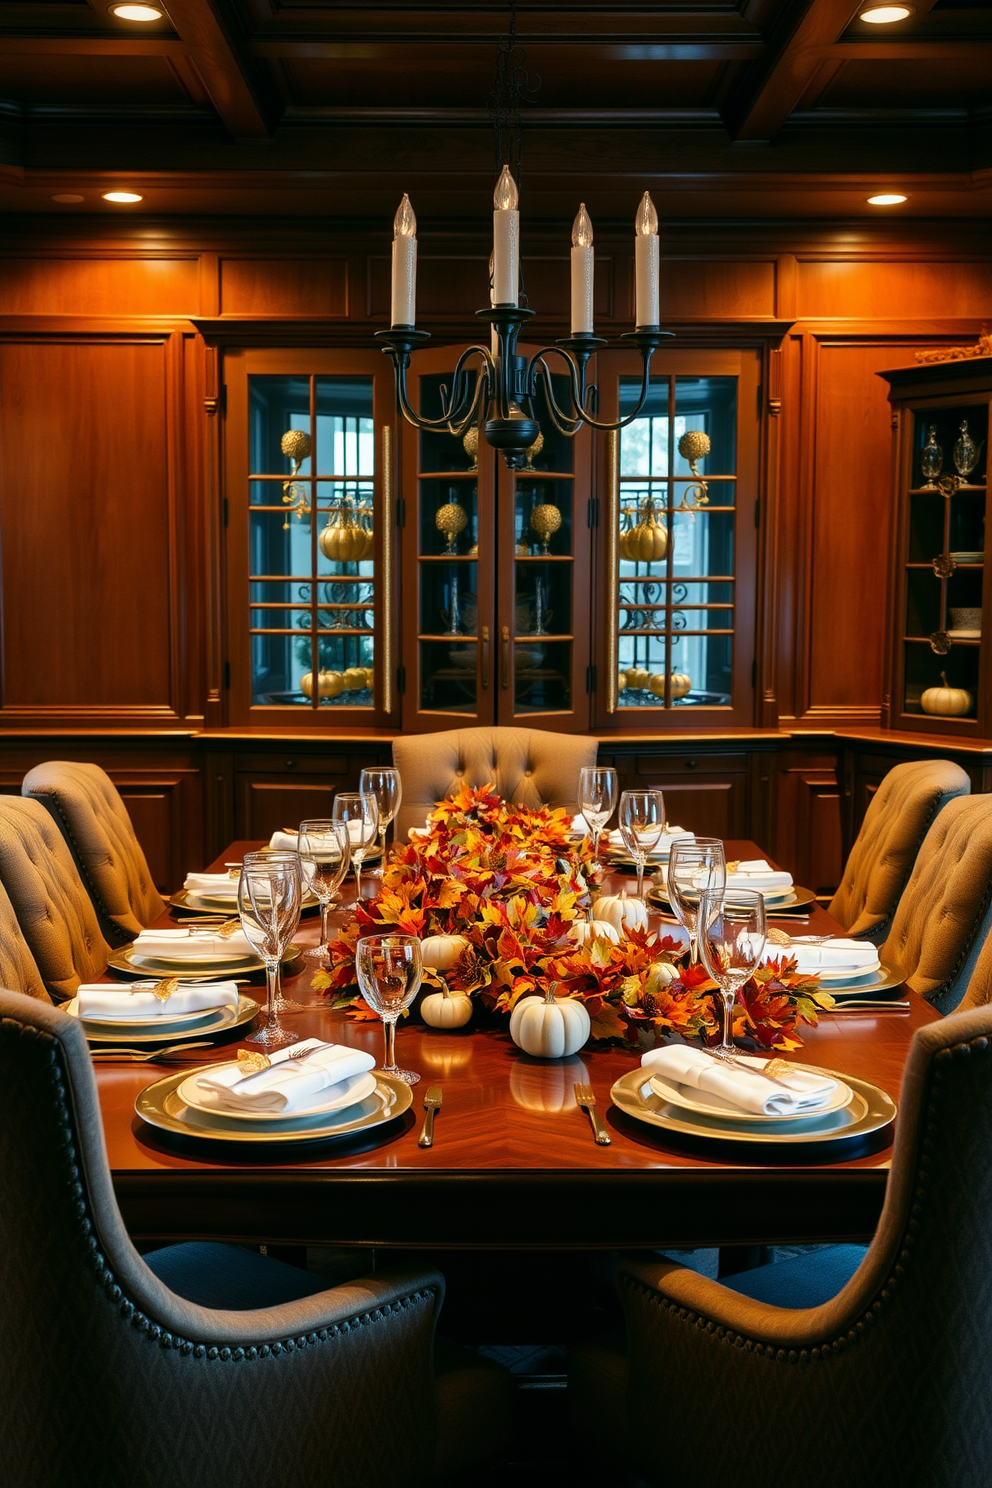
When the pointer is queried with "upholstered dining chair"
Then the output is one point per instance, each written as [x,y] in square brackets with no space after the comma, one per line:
[528,766]
[898,817]
[942,919]
[842,1368]
[18,968]
[201,1364]
[54,911]
[88,807]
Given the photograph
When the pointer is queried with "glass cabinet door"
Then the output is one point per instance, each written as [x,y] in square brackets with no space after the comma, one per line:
[309,600]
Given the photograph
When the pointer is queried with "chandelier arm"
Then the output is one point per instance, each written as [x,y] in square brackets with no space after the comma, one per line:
[566,423]
[611,428]
[458,426]
[401,361]
[455,420]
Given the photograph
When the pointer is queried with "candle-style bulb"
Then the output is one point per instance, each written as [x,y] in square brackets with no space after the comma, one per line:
[405,221]
[506,198]
[582,228]
[646,221]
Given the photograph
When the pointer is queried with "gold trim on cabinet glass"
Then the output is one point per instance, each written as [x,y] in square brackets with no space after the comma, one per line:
[387,568]
[484,643]
[506,656]
[612,565]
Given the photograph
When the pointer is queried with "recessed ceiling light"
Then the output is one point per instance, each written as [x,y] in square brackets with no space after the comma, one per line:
[137,12]
[884,15]
[67,196]
[886,199]
[122,196]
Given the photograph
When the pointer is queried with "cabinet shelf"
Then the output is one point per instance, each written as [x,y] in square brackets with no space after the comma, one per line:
[544,558]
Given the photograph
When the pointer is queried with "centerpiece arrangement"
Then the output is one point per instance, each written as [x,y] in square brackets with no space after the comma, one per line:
[506,904]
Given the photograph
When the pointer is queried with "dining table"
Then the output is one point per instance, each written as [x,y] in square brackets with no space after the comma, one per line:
[514,1163]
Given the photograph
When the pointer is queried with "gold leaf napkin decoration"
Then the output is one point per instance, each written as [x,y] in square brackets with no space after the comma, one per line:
[252,1062]
[163,990]
[229,928]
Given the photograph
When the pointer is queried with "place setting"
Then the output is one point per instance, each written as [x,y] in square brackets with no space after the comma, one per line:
[780,893]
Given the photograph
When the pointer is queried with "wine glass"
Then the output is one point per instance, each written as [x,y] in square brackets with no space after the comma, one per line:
[642,821]
[385,784]
[696,865]
[325,852]
[731,932]
[269,896]
[389,969]
[597,798]
[282,1004]
[361,813]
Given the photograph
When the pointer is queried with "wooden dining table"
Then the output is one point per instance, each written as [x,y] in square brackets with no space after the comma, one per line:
[514,1163]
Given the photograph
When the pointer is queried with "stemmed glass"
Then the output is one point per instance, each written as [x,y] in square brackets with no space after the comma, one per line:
[389,969]
[597,798]
[695,866]
[269,897]
[361,813]
[642,821]
[266,855]
[731,930]
[385,784]
[325,852]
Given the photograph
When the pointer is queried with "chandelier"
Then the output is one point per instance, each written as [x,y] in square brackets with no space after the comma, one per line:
[495,378]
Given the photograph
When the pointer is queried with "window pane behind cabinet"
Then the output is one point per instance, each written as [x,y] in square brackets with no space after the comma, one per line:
[312,575]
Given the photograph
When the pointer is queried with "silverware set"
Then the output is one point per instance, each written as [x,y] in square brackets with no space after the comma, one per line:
[145,1056]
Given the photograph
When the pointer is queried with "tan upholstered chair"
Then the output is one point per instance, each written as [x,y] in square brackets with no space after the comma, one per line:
[840,1369]
[53,909]
[528,766]
[203,1365]
[942,919]
[18,968]
[898,818]
[87,806]
[979,989]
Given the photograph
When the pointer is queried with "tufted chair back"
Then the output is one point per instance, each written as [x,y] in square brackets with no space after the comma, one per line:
[18,968]
[979,990]
[528,767]
[940,924]
[897,820]
[88,807]
[335,1388]
[53,909]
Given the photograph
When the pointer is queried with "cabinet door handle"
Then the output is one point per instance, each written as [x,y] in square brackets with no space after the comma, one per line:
[484,659]
[506,656]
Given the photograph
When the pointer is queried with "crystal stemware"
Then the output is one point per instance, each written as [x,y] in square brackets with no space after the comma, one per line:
[360,811]
[696,866]
[385,784]
[642,821]
[389,969]
[269,897]
[931,460]
[731,931]
[598,787]
[325,853]
[966,453]
[283,1004]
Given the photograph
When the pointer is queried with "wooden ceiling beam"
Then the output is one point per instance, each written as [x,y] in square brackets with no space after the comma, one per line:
[771,90]
[225,67]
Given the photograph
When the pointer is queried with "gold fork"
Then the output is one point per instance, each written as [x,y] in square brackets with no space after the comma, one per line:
[432,1103]
[584,1097]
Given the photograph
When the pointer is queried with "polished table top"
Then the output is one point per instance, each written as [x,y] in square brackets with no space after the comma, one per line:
[513,1162]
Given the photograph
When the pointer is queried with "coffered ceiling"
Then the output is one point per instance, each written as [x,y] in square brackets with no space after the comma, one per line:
[320,108]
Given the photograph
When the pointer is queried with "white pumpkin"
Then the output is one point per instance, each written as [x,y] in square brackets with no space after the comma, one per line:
[584,931]
[946,701]
[621,912]
[446,1009]
[659,975]
[548,1089]
[440,952]
[549,1027]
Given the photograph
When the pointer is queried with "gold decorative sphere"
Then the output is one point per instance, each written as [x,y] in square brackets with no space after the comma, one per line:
[296,444]
[533,450]
[694,445]
[545,520]
[451,519]
[470,444]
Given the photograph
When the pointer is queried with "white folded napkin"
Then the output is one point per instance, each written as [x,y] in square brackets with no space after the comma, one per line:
[681,1065]
[179,945]
[414,832]
[757,874]
[134,1005]
[289,1084]
[836,955]
[217,885]
[664,845]
[284,841]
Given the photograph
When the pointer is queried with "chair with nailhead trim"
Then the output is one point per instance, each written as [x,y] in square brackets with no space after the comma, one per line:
[204,1365]
[845,1368]
[95,823]
[529,767]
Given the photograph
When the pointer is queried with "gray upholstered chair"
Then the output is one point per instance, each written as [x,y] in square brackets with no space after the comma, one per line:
[528,766]
[841,1369]
[88,807]
[53,909]
[942,918]
[203,1364]
[898,818]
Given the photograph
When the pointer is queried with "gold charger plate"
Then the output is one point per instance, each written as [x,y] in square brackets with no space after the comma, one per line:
[161,1105]
[797,898]
[885,979]
[123,960]
[869,1110]
[130,1033]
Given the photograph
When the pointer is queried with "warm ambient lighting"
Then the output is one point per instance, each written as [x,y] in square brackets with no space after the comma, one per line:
[67,196]
[136,12]
[122,196]
[886,199]
[884,15]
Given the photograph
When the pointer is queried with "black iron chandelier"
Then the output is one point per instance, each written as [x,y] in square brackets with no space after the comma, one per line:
[502,383]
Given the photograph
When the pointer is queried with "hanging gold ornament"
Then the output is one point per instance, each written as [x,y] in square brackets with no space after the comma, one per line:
[344,539]
[450,520]
[296,445]
[545,521]
[647,541]
[694,445]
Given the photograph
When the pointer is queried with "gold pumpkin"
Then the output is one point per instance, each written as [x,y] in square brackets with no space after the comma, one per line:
[647,542]
[680,684]
[354,679]
[329,684]
[638,677]
[621,682]
[344,540]
[946,701]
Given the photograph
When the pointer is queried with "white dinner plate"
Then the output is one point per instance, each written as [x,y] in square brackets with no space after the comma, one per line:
[180,1020]
[852,974]
[706,1103]
[164,1030]
[156,963]
[336,1098]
